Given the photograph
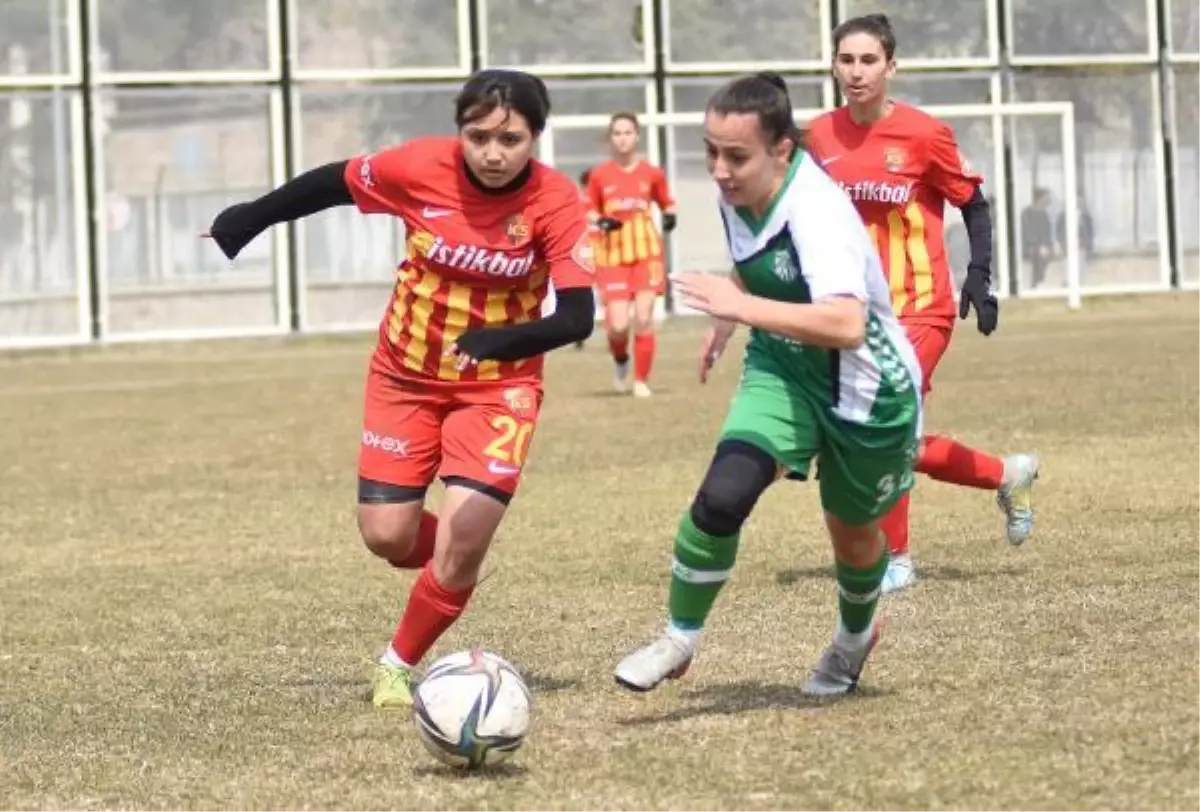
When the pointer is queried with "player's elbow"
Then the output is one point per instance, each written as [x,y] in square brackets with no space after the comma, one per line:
[851,334]
[577,309]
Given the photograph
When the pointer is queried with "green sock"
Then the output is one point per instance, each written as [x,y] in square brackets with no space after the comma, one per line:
[858,592]
[702,565]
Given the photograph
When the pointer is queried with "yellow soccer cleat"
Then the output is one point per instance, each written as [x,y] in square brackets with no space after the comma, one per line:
[393,687]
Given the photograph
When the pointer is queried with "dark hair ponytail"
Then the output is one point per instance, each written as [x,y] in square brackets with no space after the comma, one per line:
[765,94]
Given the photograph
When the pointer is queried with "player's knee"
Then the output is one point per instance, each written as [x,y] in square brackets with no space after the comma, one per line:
[389,518]
[737,477]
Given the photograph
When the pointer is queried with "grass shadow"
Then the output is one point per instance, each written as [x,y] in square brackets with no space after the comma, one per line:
[936,572]
[546,684]
[505,771]
[744,696]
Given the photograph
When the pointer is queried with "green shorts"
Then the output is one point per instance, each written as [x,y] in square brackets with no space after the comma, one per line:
[864,469]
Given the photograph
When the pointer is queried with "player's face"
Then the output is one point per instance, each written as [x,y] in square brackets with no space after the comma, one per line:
[623,137]
[862,68]
[498,146]
[745,167]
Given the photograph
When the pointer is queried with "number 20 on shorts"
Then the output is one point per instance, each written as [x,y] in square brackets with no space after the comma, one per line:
[513,442]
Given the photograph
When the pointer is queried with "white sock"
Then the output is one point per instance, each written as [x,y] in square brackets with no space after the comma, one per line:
[845,638]
[390,657]
[689,637]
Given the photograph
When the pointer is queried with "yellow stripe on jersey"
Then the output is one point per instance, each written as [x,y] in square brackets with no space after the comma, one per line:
[458,316]
[640,237]
[399,307]
[919,254]
[495,311]
[418,345]
[897,261]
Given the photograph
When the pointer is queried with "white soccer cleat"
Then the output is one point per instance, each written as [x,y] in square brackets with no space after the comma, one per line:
[668,657]
[1015,496]
[840,666]
[641,389]
[621,377]
[900,575]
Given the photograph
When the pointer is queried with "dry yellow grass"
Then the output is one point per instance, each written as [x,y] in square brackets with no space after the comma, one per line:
[188,620]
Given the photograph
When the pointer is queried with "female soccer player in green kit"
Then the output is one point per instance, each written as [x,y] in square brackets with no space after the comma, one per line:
[828,374]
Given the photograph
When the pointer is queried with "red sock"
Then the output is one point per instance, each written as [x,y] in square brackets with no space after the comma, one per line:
[430,611]
[894,525]
[618,345]
[644,345]
[422,551]
[948,460]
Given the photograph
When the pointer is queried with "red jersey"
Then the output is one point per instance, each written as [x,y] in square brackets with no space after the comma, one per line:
[474,258]
[627,194]
[900,172]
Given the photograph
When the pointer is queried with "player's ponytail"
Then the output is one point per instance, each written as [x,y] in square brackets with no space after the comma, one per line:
[875,25]
[764,94]
[493,89]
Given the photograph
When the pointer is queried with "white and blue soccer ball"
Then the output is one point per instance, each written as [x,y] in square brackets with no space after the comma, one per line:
[472,709]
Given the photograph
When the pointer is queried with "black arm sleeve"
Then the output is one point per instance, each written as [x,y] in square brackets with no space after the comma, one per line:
[977,217]
[314,191]
[573,318]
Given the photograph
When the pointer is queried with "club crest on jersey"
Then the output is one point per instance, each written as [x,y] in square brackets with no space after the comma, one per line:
[784,268]
[894,158]
[521,400]
[516,229]
[425,246]
[584,254]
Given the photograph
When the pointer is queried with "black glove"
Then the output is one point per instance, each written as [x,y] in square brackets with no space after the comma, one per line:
[481,343]
[609,224]
[232,230]
[668,221]
[977,292]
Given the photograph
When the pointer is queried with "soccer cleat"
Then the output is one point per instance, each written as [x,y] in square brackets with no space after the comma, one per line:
[1015,496]
[668,657]
[393,687]
[900,574]
[621,376]
[840,666]
[641,389]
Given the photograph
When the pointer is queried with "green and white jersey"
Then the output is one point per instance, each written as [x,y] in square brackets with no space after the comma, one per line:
[811,245]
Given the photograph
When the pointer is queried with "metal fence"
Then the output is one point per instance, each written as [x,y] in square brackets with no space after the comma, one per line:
[125,125]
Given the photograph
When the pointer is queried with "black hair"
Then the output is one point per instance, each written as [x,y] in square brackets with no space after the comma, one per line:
[493,89]
[765,94]
[876,25]
[625,116]
[585,176]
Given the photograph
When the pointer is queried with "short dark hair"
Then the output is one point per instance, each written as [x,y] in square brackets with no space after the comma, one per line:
[493,89]
[624,115]
[765,94]
[876,25]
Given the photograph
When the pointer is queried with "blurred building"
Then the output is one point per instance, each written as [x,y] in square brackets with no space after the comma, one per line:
[125,125]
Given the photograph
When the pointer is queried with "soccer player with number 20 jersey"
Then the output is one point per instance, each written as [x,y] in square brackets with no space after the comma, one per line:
[455,383]
[900,166]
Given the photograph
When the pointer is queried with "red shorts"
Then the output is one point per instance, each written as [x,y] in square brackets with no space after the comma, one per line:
[930,342]
[414,431]
[622,283]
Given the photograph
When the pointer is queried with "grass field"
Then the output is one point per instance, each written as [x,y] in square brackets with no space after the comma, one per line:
[187,618]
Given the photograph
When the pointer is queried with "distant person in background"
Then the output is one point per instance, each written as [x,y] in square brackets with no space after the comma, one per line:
[1037,236]
[1087,234]
[630,262]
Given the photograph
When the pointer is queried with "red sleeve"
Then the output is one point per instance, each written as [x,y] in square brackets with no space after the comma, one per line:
[595,193]
[562,235]
[947,170]
[378,182]
[659,190]
[814,139]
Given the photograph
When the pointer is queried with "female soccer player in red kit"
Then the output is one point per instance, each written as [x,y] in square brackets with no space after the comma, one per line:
[900,166]
[630,260]
[455,383]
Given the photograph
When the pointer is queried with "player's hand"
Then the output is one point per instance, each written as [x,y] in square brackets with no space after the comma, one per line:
[715,294]
[977,292]
[715,341]
[472,347]
[609,224]
[229,232]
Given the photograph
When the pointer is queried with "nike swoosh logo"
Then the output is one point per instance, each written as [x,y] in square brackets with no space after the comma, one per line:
[430,214]
[502,470]
[828,161]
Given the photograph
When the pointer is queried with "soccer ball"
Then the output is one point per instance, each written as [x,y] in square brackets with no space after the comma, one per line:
[472,709]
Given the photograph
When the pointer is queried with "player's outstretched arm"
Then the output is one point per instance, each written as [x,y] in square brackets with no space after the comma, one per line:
[573,319]
[314,191]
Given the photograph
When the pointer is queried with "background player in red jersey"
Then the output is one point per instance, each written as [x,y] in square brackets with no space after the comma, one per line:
[900,166]
[455,383]
[630,262]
